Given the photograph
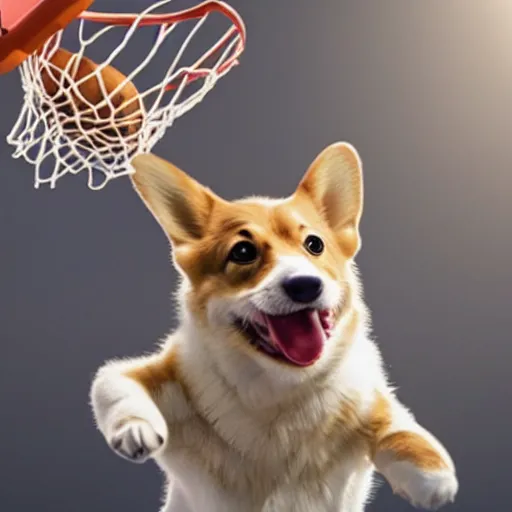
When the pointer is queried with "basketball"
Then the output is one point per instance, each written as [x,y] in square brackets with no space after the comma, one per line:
[122,109]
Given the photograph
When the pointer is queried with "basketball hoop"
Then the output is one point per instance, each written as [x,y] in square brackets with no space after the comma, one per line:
[82,116]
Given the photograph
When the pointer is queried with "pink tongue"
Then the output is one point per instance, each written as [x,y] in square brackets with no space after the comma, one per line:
[299,336]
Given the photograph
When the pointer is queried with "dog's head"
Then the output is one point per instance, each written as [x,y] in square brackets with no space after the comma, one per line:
[271,280]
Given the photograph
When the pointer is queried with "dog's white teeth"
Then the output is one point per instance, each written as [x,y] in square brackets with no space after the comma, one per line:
[260,326]
[262,331]
[258,318]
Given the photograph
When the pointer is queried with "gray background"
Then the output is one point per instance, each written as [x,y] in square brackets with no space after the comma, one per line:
[423,89]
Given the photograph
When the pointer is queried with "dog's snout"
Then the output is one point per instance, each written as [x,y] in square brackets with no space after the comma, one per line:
[303,289]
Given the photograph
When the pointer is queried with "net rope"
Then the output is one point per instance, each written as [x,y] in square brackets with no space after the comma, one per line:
[64,133]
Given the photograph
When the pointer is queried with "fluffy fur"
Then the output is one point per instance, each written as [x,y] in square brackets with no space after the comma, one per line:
[234,429]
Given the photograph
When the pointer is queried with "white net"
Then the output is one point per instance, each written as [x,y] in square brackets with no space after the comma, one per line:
[81,118]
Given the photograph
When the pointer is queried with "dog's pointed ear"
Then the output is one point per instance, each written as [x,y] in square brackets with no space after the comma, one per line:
[334,182]
[179,203]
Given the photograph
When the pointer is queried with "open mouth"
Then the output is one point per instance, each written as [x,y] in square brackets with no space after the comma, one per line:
[297,338]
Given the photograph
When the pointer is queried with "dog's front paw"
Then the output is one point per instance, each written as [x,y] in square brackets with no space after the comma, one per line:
[136,440]
[426,489]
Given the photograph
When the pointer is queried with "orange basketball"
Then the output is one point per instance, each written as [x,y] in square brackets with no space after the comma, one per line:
[122,111]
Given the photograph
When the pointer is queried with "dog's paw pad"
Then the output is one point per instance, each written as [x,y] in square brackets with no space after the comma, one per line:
[136,440]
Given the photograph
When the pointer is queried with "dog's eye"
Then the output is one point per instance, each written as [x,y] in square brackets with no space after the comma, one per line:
[314,245]
[243,253]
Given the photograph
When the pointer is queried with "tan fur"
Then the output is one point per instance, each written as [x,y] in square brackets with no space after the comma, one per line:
[379,422]
[411,447]
[152,377]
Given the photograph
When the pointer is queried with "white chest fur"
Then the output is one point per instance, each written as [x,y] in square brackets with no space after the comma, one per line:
[226,455]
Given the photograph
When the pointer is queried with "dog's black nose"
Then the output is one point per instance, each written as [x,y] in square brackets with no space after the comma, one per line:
[303,288]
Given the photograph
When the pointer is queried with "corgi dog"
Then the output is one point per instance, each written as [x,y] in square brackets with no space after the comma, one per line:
[270,396]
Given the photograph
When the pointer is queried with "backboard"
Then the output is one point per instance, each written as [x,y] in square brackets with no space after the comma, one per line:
[27,24]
